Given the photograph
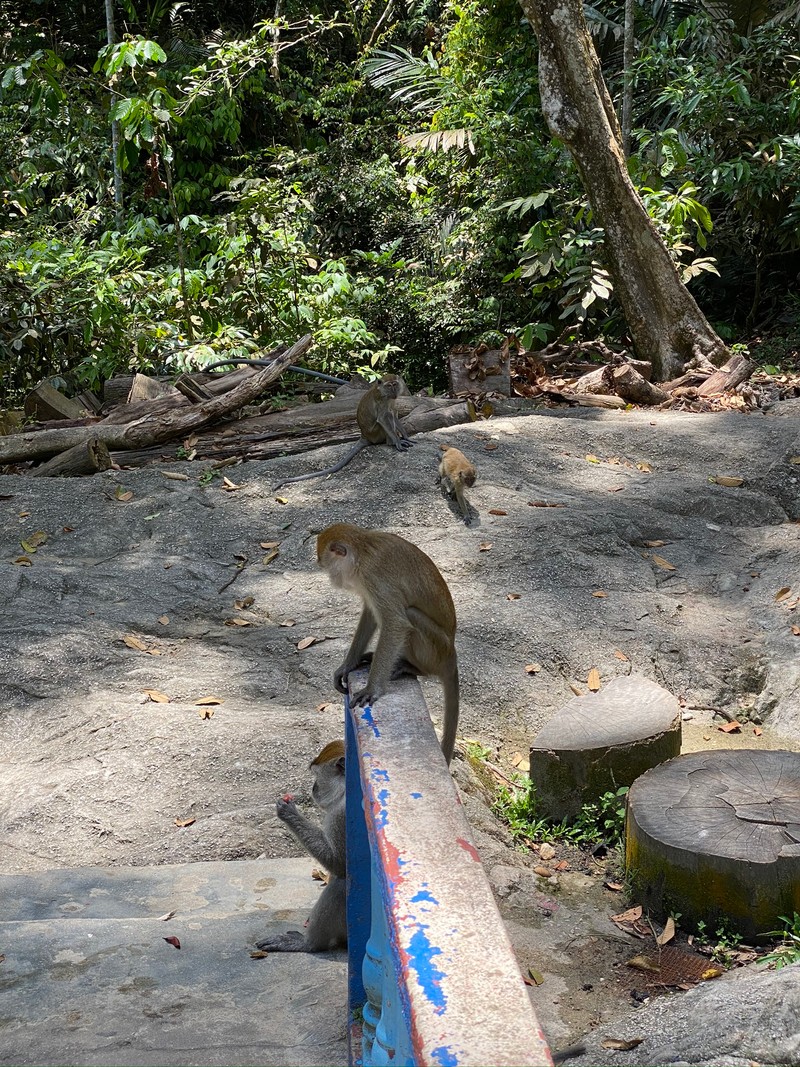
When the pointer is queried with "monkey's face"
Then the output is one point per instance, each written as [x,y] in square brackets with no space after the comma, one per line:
[328,787]
[336,560]
[390,388]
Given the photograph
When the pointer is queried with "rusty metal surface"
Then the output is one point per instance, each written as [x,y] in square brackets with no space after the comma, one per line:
[458,979]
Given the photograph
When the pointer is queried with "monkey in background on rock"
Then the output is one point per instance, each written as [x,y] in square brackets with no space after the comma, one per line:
[404,597]
[327,924]
[456,472]
[377,421]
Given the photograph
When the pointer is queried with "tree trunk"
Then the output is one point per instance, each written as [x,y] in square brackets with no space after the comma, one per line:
[627,78]
[666,325]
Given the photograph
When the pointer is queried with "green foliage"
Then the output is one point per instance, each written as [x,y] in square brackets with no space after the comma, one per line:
[724,942]
[788,951]
[601,820]
[386,182]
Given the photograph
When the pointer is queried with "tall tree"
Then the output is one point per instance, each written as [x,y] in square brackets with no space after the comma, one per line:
[667,326]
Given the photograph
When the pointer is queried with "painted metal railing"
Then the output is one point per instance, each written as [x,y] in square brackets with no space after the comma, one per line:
[432,975]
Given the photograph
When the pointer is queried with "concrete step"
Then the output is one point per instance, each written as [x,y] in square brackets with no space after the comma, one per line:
[89,979]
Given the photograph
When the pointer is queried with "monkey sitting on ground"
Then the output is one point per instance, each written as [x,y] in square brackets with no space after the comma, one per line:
[327,924]
[407,599]
[377,421]
[456,472]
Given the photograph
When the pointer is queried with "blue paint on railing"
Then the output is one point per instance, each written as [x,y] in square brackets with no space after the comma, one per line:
[379,774]
[420,960]
[424,895]
[445,1056]
[368,719]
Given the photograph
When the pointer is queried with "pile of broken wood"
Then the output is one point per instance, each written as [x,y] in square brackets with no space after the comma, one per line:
[210,416]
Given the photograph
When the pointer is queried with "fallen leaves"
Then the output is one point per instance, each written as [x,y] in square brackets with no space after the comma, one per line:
[782,593]
[621,1044]
[532,668]
[306,642]
[123,495]
[208,702]
[664,564]
[593,680]
[485,546]
[497,511]
[173,941]
[136,643]
[667,933]
[544,504]
[726,480]
[600,593]
[730,727]
[156,696]
[189,821]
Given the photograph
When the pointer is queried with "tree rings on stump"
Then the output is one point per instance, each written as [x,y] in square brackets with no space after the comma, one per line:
[714,834]
[602,741]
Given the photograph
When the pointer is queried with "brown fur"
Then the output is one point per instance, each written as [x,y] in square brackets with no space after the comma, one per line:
[407,601]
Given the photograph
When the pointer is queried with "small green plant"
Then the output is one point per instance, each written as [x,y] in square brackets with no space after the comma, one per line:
[475,750]
[207,476]
[723,943]
[788,951]
[601,820]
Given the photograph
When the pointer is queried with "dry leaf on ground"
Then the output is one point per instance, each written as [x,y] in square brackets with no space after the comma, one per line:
[667,933]
[156,696]
[593,681]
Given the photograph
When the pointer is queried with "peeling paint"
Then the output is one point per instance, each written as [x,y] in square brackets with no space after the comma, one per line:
[379,774]
[419,959]
[423,894]
[469,848]
[416,796]
[366,716]
[444,1055]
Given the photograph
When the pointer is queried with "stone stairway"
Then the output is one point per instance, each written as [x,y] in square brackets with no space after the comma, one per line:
[88,978]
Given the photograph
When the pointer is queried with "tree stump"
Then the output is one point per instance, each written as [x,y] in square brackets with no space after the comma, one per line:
[717,834]
[602,741]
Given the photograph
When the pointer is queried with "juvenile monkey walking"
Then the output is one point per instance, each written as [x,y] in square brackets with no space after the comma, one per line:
[456,472]
[377,421]
[407,600]
[327,924]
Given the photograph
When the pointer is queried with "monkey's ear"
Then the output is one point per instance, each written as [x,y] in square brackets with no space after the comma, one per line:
[340,764]
[337,548]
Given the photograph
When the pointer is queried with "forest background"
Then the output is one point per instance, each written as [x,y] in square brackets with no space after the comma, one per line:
[378,174]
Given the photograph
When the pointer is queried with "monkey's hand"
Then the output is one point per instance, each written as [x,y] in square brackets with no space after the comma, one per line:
[402,444]
[364,698]
[286,808]
[341,673]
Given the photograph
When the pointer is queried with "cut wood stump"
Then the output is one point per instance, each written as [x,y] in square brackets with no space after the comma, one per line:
[717,834]
[602,741]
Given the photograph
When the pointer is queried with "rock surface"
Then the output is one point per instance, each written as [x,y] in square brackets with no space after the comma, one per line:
[93,772]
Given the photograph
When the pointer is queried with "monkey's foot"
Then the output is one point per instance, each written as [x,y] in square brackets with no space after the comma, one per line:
[404,669]
[291,941]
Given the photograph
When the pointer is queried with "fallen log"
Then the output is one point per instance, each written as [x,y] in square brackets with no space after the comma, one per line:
[88,457]
[737,370]
[631,386]
[148,429]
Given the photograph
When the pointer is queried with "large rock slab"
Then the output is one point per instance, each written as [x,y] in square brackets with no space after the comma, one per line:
[89,979]
[601,741]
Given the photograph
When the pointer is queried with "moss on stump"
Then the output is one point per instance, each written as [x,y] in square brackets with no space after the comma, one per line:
[717,834]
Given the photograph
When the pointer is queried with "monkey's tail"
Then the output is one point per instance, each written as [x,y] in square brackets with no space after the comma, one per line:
[328,470]
[451,705]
